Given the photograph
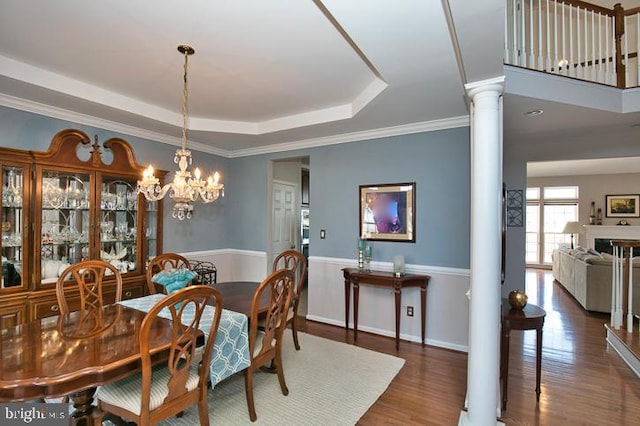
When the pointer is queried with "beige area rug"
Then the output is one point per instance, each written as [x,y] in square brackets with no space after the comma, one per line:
[329,383]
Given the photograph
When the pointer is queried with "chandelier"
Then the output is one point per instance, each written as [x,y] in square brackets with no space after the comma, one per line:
[185,189]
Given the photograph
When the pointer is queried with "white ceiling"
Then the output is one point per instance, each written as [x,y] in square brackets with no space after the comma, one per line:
[265,76]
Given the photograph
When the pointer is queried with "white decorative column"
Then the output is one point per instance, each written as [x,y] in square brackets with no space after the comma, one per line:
[485,298]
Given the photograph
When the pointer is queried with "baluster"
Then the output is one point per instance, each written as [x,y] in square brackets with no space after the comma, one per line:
[580,64]
[626,52]
[548,66]
[586,44]
[630,292]
[637,17]
[555,37]
[514,31]
[616,291]
[523,41]
[594,77]
[532,56]
[572,68]
[600,74]
[607,68]
[540,58]
[507,58]
[562,62]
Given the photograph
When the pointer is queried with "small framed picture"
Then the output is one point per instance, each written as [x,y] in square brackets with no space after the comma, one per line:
[623,205]
[387,212]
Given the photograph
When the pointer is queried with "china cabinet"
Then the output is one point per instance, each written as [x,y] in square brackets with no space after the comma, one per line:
[74,202]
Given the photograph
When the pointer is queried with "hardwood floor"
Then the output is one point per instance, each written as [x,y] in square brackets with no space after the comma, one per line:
[583,383]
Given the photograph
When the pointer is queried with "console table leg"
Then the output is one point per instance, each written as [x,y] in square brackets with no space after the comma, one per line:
[423,310]
[398,294]
[356,293]
[504,361]
[538,361]
[347,290]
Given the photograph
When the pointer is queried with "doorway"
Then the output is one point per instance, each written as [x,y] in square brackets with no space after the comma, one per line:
[289,211]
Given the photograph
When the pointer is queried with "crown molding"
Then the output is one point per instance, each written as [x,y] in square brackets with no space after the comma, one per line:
[88,120]
[404,129]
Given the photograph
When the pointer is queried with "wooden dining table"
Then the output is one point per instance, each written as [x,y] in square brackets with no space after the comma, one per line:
[238,296]
[72,354]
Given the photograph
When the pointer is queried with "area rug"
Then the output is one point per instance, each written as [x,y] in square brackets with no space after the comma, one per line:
[329,383]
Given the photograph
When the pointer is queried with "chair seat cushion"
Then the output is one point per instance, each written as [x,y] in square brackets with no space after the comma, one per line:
[126,393]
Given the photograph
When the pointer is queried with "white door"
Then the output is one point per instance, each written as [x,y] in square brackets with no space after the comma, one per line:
[284,226]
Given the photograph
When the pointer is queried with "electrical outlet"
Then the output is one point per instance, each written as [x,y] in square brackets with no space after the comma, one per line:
[409,311]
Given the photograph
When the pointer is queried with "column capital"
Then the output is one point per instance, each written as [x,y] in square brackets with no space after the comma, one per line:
[491,85]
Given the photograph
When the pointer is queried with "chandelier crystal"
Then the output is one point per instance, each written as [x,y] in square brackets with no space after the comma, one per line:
[185,189]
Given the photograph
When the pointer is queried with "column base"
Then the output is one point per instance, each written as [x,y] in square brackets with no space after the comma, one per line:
[464,420]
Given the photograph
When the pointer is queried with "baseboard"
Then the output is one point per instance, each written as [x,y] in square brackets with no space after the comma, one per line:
[624,353]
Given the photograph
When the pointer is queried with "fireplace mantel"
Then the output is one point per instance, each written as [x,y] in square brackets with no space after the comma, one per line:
[593,232]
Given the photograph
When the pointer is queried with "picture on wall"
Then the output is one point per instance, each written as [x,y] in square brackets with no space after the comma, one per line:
[623,205]
[387,212]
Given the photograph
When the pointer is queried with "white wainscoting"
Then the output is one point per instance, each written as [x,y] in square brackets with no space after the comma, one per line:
[447,303]
[234,265]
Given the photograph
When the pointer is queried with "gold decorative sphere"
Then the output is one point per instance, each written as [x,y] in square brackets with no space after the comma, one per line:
[518,299]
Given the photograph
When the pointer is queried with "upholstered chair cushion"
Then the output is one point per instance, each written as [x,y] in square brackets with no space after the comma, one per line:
[126,392]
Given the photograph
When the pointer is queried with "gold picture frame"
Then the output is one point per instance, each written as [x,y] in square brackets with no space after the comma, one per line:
[387,212]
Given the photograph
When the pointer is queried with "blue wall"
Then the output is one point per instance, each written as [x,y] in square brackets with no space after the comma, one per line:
[437,161]
[439,164]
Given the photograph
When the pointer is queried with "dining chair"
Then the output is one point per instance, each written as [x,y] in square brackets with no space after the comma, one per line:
[165,389]
[89,277]
[296,262]
[265,345]
[164,262]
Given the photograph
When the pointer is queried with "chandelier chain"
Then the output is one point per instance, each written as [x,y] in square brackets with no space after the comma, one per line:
[185,100]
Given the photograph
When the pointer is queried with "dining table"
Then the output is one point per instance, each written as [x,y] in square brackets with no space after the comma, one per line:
[238,296]
[74,353]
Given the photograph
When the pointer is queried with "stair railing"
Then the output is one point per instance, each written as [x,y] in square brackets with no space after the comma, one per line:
[575,39]
[622,283]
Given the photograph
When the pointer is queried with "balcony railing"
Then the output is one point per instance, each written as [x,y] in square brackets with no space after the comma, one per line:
[575,39]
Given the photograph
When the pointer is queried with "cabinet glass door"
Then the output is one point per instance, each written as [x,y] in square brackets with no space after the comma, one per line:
[65,231]
[13,187]
[118,222]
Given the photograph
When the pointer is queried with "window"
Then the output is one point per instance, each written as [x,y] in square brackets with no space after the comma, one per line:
[546,218]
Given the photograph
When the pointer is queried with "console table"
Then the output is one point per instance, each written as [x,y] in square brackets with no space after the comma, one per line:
[383,279]
[531,317]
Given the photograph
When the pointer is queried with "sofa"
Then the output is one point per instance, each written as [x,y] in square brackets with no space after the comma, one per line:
[586,275]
